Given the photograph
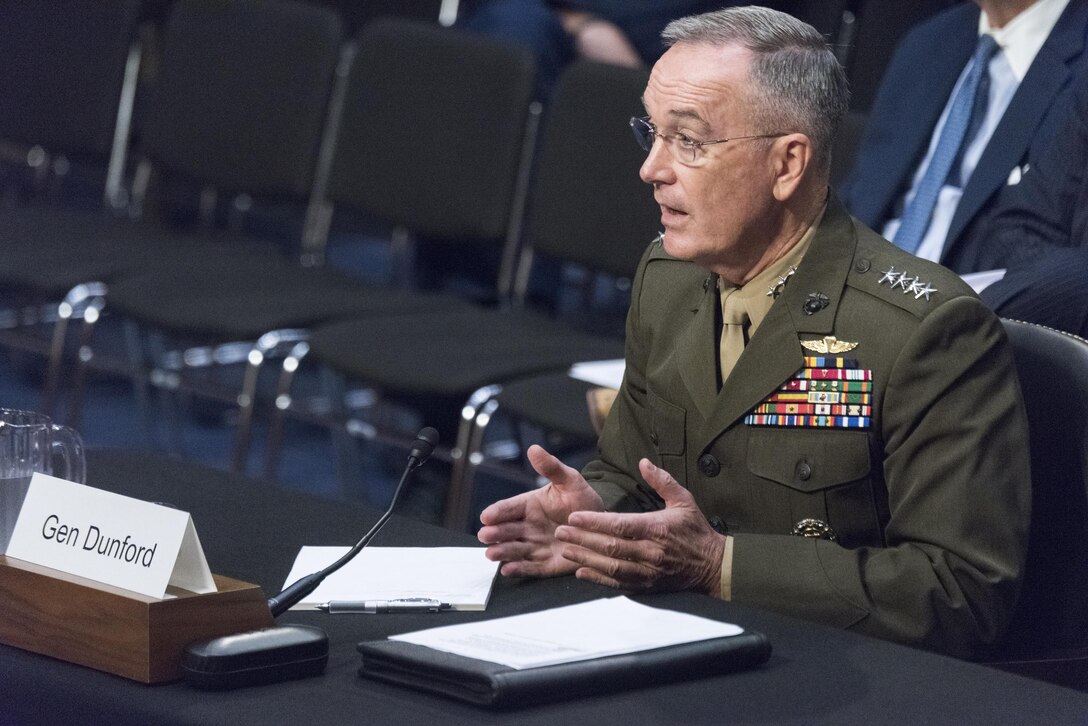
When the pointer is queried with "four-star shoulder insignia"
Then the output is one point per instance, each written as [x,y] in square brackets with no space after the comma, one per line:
[909,285]
[830,344]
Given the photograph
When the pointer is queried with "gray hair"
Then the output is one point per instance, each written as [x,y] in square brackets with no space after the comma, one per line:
[796,83]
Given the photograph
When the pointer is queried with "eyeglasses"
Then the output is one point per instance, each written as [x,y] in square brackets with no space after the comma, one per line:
[682,147]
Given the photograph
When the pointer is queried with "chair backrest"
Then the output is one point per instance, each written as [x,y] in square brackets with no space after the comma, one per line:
[588,204]
[1053,372]
[68,79]
[878,27]
[432,132]
[844,149]
[62,66]
[242,94]
[357,13]
[824,15]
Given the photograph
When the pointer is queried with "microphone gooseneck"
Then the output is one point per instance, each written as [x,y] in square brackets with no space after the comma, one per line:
[422,448]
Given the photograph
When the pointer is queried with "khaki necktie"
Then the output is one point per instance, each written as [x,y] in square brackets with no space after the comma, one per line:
[734,324]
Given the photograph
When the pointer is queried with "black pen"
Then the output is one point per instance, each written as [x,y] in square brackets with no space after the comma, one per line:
[400,605]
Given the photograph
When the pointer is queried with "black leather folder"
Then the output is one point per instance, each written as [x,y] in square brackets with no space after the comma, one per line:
[499,686]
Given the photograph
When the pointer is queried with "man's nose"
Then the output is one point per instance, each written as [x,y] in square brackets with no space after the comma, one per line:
[657,168]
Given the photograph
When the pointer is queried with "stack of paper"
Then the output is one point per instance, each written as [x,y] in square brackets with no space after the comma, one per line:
[460,576]
[571,633]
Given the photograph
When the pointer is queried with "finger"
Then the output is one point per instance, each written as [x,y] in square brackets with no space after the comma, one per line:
[509,552]
[664,484]
[649,556]
[552,468]
[609,570]
[627,525]
[605,544]
[527,568]
[506,510]
[590,575]
[505,532]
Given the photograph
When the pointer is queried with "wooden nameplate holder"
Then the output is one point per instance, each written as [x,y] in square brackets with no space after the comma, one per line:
[118,631]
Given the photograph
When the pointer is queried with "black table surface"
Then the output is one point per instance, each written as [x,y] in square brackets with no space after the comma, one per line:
[252,531]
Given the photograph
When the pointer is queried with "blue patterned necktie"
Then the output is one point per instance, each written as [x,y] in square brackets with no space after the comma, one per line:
[915,219]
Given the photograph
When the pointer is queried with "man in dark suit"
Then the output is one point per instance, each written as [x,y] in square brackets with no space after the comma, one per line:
[1040,229]
[1042,47]
[811,419]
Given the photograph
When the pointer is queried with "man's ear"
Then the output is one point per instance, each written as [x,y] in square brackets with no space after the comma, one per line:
[792,158]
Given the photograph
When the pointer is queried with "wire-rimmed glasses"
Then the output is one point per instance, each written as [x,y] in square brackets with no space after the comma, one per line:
[682,147]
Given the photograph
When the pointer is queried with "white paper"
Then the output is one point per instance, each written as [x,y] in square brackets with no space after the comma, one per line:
[109,538]
[607,373]
[979,281]
[460,576]
[572,633]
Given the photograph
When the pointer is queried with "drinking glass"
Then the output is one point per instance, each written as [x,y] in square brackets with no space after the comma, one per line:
[30,442]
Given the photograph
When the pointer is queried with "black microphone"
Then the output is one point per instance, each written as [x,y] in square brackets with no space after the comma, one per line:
[285,651]
[422,448]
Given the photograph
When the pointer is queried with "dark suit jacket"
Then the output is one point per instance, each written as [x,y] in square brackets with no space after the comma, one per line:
[914,91]
[1048,210]
[1040,229]
[930,503]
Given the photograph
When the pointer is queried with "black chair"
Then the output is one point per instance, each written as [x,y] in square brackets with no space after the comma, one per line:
[587,207]
[1048,638]
[357,13]
[580,133]
[844,149]
[426,119]
[239,106]
[67,91]
[69,72]
[868,37]
[824,15]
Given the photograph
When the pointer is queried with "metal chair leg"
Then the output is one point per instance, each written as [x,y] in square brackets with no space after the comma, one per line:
[165,380]
[268,345]
[51,385]
[84,357]
[141,383]
[459,495]
[82,301]
[282,403]
[345,434]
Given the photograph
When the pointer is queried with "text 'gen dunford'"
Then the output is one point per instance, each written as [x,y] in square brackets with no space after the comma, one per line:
[95,541]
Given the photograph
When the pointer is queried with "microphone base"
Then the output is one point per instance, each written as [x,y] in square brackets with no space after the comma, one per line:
[118,631]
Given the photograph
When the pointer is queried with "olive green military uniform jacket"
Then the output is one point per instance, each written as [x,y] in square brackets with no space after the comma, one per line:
[929,504]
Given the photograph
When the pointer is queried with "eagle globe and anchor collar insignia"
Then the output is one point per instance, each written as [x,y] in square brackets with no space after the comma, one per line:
[829,391]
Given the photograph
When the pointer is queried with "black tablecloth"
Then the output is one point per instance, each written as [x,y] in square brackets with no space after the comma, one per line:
[252,531]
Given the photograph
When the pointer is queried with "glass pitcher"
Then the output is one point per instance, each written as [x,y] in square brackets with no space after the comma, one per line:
[30,442]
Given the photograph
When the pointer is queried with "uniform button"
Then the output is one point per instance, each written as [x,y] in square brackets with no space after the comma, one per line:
[863,265]
[653,438]
[804,470]
[709,466]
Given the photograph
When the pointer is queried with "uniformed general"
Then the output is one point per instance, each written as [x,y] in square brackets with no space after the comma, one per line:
[811,420]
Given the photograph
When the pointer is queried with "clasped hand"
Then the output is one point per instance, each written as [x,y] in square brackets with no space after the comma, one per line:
[563,528]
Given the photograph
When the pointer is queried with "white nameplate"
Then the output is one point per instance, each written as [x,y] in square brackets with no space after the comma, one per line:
[109,538]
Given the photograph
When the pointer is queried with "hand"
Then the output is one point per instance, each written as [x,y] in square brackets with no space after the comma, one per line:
[670,549]
[599,40]
[520,531]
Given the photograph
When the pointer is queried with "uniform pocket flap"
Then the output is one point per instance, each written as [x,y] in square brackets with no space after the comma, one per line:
[667,422]
[808,460]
